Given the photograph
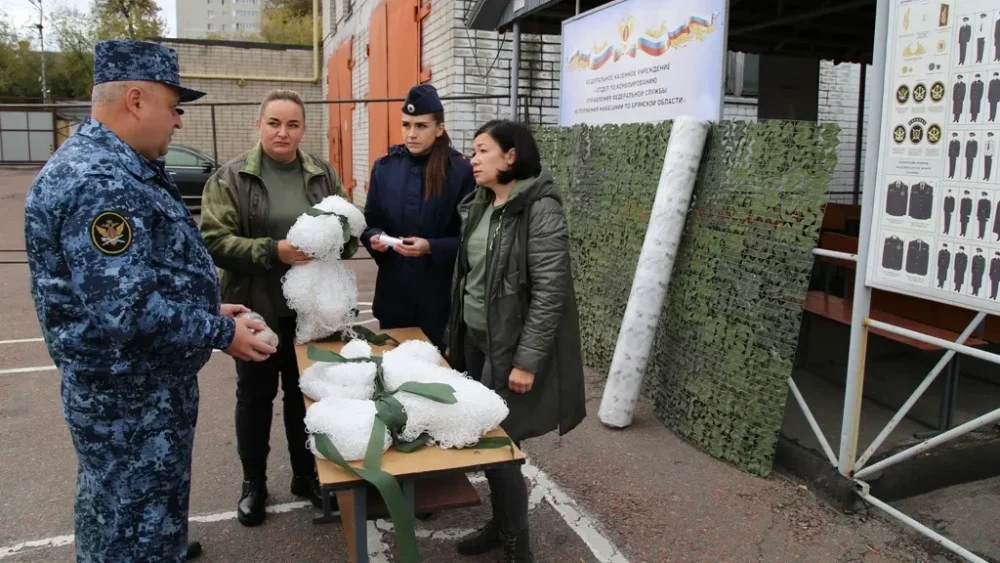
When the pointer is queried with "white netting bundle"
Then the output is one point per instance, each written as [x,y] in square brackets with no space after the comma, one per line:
[477,410]
[347,423]
[340,206]
[324,292]
[349,380]
[320,237]
[414,360]
[357,348]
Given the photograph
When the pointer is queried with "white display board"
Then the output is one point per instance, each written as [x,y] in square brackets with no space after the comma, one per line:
[936,223]
[637,61]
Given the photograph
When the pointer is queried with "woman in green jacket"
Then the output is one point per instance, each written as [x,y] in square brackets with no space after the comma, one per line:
[514,323]
[248,206]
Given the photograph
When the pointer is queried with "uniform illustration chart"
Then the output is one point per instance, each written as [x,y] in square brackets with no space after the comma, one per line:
[936,225]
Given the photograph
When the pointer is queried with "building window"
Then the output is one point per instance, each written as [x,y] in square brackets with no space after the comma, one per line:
[211,13]
[224,27]
[742,75]
[210,27]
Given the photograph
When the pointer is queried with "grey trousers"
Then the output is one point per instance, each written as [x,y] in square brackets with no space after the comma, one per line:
[508,491]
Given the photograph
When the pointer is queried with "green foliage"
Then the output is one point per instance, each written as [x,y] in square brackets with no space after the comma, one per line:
[128,19]
[282,21]
[69,46]
[729,327]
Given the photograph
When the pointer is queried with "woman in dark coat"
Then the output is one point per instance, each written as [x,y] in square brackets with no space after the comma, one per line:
[413,195]
[514,324]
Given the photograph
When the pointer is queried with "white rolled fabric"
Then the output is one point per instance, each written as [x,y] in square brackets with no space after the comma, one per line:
[652,276]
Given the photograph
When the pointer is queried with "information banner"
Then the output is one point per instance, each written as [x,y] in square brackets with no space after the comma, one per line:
[936,223]
[637,61]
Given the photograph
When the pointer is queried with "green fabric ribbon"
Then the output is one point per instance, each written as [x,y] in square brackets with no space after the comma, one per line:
[363,332]
[391,415]
[344,224]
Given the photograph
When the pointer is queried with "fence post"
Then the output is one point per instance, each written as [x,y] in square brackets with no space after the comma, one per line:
[215,137]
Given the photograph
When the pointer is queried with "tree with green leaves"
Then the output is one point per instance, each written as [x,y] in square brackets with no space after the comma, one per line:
[128,19]
[282,21]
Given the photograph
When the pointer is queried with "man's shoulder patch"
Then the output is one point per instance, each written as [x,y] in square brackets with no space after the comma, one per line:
[111,233]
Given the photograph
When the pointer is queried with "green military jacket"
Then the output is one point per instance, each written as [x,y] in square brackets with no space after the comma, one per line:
[234,207]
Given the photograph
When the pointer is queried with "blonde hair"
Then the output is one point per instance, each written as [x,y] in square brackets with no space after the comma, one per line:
[285,96]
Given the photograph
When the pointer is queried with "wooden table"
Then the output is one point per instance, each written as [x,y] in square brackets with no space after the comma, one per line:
[432,478]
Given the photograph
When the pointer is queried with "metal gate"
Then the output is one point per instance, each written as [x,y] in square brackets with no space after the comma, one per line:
[27,135]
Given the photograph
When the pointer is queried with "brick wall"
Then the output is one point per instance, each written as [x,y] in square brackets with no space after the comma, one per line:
[838,103]
[234,124]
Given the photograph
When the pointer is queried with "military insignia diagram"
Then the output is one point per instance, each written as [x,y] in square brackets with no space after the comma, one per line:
[111,233]
[936,232]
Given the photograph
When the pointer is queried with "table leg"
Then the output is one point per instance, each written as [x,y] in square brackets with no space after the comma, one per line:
[354,518]
[802,349]
[408,495]
[952,393]
[327,517]
[946,409]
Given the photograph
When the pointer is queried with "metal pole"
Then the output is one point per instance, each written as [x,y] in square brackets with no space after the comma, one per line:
[812,422]
[934,341]
[835,254]
[215,138]
[515,68]
[860,129]
[954,547]
[41,38]
[922,447]
[578,8]
[942,363]
[862,294]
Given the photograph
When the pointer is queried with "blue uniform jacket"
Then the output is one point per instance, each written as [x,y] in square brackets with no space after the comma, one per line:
[415,291]
[121,280]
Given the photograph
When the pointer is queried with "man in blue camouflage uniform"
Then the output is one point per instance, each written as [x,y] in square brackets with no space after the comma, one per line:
[129,305]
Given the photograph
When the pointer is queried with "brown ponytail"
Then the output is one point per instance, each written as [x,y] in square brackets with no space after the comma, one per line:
[437,163]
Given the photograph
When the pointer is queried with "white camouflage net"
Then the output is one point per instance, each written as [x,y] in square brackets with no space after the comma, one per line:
[477,409]
[351,380]
[347,423]
[324,292]
[357,348]
[349,386]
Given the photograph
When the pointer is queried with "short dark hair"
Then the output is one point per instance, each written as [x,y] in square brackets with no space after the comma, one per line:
[513,135]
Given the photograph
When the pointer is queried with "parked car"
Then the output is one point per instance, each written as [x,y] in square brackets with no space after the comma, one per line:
[190,169]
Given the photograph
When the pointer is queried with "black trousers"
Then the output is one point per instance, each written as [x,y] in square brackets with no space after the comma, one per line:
[508,491]
[256,388]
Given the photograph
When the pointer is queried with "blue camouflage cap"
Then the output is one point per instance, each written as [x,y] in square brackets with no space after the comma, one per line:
[117,60]
[422,100]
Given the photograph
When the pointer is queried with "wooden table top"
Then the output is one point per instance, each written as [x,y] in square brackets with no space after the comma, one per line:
[426,461]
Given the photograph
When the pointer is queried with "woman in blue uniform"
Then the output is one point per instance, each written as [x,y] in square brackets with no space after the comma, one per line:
[413,222]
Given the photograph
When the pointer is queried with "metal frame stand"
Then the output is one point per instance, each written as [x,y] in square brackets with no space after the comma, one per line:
[847,462]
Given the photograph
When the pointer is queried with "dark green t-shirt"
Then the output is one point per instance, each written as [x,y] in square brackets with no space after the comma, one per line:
[286,194]
[474,305]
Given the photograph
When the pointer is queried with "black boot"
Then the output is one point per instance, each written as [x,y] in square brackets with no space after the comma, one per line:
[307,486]
[484,540]
[193,550]
[250,510]
[517,548]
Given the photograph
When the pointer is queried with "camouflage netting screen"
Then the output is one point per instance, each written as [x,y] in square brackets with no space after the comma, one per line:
[728,331]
